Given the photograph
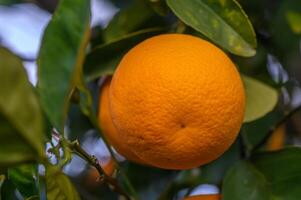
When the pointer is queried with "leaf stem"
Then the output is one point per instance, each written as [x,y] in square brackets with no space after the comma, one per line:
[277,125]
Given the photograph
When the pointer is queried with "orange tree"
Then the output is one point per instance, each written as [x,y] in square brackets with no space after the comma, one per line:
[202,92]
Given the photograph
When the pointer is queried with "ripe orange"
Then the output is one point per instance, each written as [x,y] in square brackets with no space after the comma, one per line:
[178,101]
[107,126]
[204,197]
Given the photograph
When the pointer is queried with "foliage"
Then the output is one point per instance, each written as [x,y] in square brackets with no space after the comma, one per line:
[37,123]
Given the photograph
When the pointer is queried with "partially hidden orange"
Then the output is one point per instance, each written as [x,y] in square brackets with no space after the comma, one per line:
[204,197]
[277,139]
[107,125]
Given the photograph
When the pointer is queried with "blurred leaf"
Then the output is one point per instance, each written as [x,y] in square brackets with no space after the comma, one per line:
[282,169]
[58,185]
[255,131]
[224,22]
[211,173]
[78,124]
[244,180]
[61,56]
[21,126]
[33,198]
[25,177]
[273,175]
[284,44]
[8,190]
[214,172]
[260,98]
[294,20]
[2,179]
[104,58]
[121,3]
[159,7]
[151,185]
[10,2]
[127,20]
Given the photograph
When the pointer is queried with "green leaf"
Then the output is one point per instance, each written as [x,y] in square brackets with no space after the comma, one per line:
[244,180]
[128,20]
[58,185]
[21,125]
[273,175]
[224,22]
[104,58]
[61,57]
[282,170]
[25,177]
[260,98]
[294,20]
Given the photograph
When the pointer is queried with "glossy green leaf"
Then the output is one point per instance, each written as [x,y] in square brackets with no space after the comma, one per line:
[61,57]
[127,20]
[260,98]
[58,185]
[21,125]
[294,20]
[25,178]
[224,22]
[244,181]
[104,58]
[273,175]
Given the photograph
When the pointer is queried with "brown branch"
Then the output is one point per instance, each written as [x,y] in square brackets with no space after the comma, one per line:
[92,160]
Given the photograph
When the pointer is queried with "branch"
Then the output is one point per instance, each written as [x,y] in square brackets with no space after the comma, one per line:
[277,125]
[93,120]
[92,160]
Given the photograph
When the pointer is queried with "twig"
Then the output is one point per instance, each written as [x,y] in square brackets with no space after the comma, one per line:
[92,160]
[127,182]
[277,125]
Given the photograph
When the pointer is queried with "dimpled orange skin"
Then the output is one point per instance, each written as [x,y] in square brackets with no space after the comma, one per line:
[204,197]
[107,125]
[178,100]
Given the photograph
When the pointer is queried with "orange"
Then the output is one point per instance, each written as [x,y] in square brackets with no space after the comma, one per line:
[92,176]
[107,126]
[178,101]
[109,167]
[277,139]
[204,197]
